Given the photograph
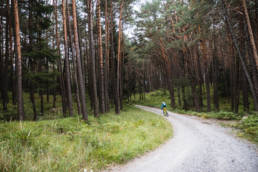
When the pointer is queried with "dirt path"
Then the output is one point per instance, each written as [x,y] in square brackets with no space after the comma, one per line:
[197,146]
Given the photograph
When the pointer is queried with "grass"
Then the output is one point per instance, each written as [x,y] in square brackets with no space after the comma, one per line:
[247,126]
[69,144]
[49,111]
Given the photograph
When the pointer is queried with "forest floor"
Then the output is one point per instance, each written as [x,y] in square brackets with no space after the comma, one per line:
[198,145]
[69,144]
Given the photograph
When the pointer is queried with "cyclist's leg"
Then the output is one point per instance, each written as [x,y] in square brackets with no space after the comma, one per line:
[164,111]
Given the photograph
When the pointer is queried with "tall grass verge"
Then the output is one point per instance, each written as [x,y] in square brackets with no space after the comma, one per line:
[69,144]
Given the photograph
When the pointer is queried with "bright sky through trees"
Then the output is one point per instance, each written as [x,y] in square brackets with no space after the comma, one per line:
[129,30]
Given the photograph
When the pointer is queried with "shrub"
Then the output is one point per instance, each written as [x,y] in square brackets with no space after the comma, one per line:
[250,127]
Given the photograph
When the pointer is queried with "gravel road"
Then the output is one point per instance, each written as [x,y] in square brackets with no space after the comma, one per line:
[197,146]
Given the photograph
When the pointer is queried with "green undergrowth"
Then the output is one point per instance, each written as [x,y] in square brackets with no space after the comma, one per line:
[249,128]
[155,98]
[49,112]
[69,144]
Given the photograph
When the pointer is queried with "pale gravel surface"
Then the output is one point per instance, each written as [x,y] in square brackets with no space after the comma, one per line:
[197,146]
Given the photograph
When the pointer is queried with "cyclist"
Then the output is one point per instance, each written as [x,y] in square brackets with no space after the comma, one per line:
[164,108]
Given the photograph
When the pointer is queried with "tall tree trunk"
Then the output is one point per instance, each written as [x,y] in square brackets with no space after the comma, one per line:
[92,56]
[41,102]
[195,97]
[79,67]
[19,62]
[121,77]
[237,95]
[102,94]
[59,63]
[32,99]
[168,65]
[206,76]
[245,91]
[195,77]
[250,33]
[1,51]
[1,54]
[67,71]
[245,94]
[112,57]
[179,97]
[185,105]
[5,98]
[12,80]
[208,97]
[199,80]
[240,55]
[106,56]
[54,99]
[251,60]
[74,60]
[215,77]
[118,60]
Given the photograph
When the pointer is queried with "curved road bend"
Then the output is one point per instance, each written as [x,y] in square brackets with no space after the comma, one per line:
[197,146]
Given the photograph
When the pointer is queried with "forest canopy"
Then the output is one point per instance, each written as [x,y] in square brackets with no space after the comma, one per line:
[95,55]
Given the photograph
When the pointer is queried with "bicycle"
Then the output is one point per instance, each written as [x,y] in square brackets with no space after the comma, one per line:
[165,112]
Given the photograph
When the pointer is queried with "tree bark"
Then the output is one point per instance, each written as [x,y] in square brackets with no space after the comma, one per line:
[19,62]
[112,57]
[79,67]
[74,61]
[208,97]
[12,80]
[92,56]
[41,102]
[168,65]
[59,64]
[240,56]
[215,76]
[32,99]
[250,33]
[118,60]
[5,98]
[67,71]
[199,79]
[106,56]
[102,94]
